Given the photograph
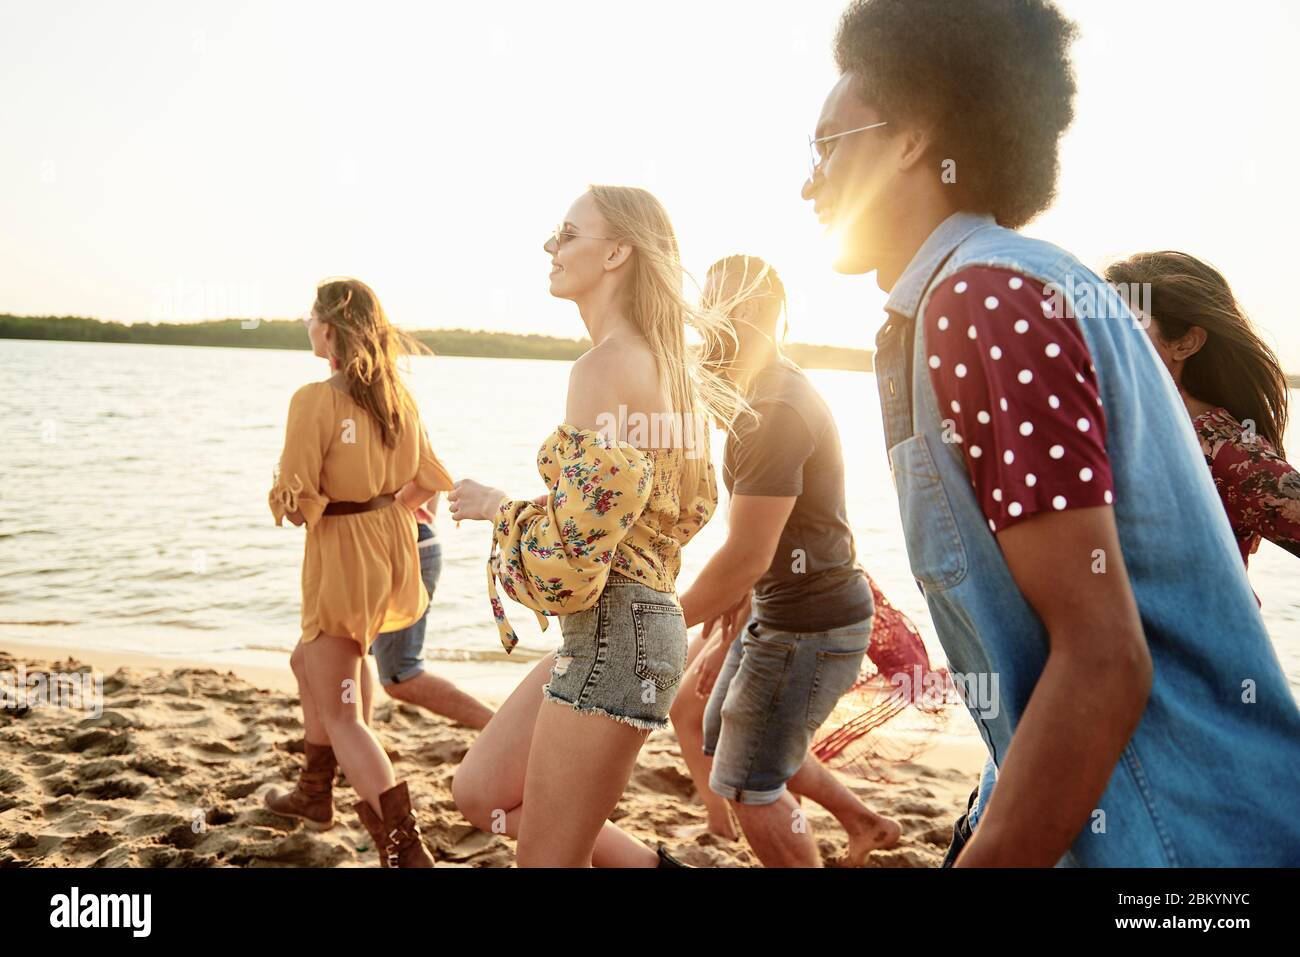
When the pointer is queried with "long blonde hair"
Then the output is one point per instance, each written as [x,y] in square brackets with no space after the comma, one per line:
[658,307]
[366,349]
[768,283]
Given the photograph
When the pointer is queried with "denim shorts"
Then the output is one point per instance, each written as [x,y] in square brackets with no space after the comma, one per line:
[399,655]
[774,690]
[624,656]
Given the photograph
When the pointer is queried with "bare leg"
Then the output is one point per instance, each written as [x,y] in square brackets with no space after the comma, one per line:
[367,691]
[313,726]
[867,830]
[488,786]
[330,663]
[779,833]
[578,767]
[441,697]
[687,714]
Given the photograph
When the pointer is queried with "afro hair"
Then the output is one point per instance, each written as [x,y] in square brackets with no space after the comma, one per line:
[991,79]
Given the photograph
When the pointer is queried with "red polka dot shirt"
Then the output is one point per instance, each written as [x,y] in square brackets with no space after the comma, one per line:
[1018,393]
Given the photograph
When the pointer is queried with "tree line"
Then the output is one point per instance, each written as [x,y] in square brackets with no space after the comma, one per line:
[289,334]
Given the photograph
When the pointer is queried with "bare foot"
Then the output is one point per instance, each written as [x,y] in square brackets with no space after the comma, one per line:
[884,833]
[725,825]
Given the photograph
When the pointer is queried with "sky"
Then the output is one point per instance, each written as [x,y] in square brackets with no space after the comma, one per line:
[184,161]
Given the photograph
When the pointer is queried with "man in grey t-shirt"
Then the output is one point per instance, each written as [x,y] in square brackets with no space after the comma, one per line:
[789,447]
[806,628]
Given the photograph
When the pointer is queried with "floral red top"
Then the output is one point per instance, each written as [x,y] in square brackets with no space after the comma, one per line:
[1259,488]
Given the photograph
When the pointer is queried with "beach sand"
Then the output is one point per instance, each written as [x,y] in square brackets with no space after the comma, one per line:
[172,774]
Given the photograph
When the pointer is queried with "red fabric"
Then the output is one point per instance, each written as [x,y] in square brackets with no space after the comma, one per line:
[896,648]
[896,673]
[1020,391]
[1260,490]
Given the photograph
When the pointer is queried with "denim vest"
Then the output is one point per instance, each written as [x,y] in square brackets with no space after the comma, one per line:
[1207,779]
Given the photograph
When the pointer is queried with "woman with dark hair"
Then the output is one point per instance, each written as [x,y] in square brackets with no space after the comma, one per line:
[1232,385]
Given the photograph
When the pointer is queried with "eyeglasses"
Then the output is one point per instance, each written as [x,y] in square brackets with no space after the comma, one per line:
[815,161]
[561,235]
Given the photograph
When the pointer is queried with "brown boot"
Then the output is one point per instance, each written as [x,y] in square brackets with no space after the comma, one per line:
[313,798]
[396,835]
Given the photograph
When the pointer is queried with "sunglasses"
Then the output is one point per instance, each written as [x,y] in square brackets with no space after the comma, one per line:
[563,234]
[815,160]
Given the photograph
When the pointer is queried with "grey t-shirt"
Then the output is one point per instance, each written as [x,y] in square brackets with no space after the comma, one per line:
[814,582]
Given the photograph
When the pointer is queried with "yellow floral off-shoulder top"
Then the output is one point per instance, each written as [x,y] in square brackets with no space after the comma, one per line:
[612,508]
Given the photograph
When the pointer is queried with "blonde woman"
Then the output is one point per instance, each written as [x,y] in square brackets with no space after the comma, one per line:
[356,466]
[601,548]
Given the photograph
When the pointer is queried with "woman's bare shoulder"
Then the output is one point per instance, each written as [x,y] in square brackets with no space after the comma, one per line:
[611,381]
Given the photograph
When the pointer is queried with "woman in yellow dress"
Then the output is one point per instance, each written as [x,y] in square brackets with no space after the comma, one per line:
[355,467]
[629,481]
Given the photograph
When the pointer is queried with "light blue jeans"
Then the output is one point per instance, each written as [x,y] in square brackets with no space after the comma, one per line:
[623,657]
[774,690]
[399,655]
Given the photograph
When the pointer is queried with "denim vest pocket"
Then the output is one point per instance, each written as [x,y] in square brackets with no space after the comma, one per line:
[660,643]
[934,546]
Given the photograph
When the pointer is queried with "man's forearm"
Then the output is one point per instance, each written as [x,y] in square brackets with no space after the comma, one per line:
[723,581]
[1078,721]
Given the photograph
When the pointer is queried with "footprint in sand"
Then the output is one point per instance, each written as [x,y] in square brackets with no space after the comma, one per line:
[919,808]
[97,742]
[904,857]
[111,719]
[120,856]
[665,778]
[186,705]
[441,751]
[114,789]
[158,766]
[296,850]
[10,783]
[92,842]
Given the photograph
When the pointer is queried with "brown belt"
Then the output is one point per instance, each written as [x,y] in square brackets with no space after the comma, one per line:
[351,508]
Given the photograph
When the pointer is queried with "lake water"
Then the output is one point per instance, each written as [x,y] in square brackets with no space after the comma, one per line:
[133,483]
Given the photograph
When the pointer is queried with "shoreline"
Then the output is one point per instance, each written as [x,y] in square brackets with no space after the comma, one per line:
[264,669]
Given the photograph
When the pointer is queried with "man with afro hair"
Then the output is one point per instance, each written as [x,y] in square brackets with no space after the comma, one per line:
[1079,569]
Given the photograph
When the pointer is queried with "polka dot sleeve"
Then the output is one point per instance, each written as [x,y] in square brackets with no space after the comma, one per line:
[1018,391]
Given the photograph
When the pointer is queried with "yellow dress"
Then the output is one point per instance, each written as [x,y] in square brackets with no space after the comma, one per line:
[360,572]
[611,508]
